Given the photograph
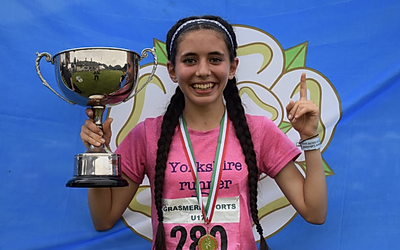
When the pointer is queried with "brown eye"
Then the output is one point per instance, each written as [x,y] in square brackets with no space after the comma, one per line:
[215,60]
[189,61]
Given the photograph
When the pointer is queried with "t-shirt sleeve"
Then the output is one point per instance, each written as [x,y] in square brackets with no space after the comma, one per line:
[275,148]
[133,153]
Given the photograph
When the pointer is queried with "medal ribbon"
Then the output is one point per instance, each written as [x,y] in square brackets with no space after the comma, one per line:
[208,210]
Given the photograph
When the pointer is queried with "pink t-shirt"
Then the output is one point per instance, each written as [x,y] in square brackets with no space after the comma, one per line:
[184,225]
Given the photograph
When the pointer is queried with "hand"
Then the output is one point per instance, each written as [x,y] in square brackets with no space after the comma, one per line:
[93,135]
[303,114]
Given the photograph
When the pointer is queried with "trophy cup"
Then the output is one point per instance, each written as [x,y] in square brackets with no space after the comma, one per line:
[97,78]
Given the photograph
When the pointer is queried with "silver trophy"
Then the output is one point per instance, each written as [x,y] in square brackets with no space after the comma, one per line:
[97,78]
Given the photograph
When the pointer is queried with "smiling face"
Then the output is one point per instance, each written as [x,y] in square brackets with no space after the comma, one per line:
[202,67]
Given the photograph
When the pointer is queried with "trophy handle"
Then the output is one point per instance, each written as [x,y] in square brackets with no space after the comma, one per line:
[48,59]
[153,71]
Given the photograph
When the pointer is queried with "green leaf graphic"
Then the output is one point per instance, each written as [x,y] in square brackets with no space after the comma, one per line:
[285,126]
[327,169]
[161,52]
[295,57]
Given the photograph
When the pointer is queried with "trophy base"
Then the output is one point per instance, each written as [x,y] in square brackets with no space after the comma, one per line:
[97,168]
[97,181]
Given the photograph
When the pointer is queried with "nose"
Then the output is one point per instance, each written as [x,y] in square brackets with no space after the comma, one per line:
[203,69]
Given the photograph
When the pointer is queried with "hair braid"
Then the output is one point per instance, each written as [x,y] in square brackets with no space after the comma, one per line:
[170,121]
[237,116]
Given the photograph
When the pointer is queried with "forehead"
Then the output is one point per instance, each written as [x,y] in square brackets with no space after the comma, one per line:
[202,39]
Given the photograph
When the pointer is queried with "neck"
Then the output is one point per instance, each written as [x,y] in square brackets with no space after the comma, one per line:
[204,118]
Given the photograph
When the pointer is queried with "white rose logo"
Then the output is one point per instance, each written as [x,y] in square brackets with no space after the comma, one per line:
[268,78]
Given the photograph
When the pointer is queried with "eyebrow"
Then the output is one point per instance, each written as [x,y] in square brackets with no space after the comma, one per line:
[210,53]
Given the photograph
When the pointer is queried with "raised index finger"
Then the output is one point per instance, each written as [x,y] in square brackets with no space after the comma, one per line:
[303,87]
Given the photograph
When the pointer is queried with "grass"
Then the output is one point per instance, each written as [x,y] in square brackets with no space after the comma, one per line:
[108,82]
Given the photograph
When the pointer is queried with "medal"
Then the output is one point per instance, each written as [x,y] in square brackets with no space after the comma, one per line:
[206,242]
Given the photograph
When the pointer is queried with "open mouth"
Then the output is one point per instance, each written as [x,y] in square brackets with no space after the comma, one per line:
[203,86]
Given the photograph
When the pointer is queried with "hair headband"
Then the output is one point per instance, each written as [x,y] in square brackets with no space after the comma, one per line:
[196,22]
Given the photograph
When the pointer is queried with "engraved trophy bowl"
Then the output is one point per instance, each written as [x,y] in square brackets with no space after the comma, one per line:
[97,78]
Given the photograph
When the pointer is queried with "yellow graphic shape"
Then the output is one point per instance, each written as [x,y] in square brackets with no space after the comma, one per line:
[257,48]
[253,96]
[135,206]
[138,104]
[273,206]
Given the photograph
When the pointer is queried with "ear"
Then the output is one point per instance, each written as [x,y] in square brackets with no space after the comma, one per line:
[233,67]
[171,71]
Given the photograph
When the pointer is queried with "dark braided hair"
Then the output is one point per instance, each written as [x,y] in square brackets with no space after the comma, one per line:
[170,121]
[236,115]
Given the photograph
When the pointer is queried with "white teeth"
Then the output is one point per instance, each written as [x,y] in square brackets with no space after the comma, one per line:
[203,86]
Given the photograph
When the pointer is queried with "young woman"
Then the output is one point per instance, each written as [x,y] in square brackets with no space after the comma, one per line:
[204,156]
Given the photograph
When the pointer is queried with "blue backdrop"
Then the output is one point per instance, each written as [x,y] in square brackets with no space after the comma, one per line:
[354,43]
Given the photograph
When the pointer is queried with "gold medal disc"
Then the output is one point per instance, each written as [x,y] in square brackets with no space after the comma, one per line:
[208,242]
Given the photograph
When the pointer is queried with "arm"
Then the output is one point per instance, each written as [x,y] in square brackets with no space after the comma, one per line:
[308,195]
[108,204]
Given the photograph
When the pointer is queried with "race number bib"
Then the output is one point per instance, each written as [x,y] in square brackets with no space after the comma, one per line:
[187,210]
